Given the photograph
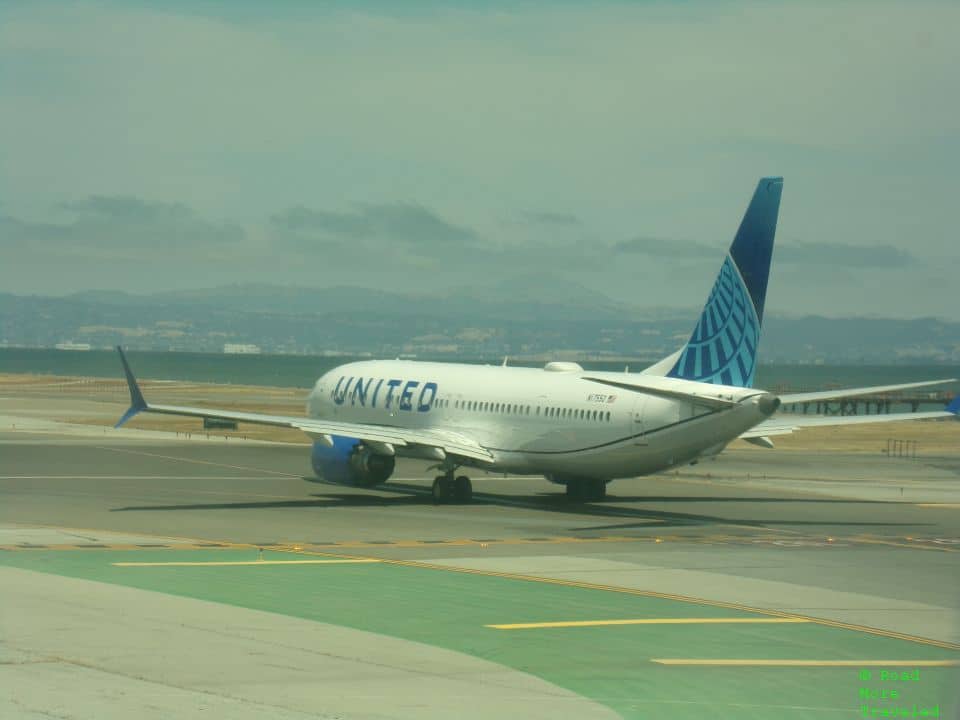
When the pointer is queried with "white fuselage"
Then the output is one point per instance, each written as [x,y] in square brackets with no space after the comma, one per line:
[537,421]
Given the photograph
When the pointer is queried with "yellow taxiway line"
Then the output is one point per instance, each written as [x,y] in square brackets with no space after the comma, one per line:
[221,563]
[644,621]
[808,663]
[642,593]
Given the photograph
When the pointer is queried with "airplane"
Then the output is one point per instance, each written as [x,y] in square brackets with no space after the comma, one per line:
[578,428]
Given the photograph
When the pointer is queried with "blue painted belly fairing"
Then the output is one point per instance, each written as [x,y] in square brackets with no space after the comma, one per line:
[723,347]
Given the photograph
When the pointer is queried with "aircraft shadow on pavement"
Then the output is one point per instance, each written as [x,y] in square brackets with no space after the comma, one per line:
[406,494]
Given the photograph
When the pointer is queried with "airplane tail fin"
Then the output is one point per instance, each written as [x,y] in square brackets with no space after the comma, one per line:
[723,347]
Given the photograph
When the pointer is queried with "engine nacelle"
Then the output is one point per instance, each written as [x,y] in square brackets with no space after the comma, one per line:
[349,462]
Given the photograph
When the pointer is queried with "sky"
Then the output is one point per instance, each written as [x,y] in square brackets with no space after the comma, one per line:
[428,146]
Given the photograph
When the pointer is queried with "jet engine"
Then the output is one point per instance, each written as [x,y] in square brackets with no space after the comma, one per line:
[347,461]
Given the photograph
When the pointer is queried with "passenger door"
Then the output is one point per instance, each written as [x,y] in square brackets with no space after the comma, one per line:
[637,419]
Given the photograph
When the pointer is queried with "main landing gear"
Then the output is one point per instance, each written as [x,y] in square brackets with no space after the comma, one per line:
[450,489]
[586,489]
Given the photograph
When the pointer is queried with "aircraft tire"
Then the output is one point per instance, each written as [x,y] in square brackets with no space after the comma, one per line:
[443,489]
[596,490]
[586,490]
[462,489]
[575,490]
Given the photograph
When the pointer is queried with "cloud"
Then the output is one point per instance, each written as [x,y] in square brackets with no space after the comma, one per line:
[121,223]
[866,256]
[665,248]
[129,209]
[413,224]
[550,218]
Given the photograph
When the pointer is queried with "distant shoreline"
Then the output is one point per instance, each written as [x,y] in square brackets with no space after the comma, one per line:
[301,371]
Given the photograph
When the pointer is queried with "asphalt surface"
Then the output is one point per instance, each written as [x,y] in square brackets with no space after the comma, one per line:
[858,542]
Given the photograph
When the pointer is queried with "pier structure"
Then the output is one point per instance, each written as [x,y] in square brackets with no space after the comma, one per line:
[876,404]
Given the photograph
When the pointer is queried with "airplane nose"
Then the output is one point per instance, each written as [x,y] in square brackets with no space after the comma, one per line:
[768,403]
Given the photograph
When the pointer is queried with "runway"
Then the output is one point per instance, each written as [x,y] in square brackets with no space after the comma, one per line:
[755,558]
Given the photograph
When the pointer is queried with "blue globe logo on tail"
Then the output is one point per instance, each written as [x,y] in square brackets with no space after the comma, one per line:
[723,347]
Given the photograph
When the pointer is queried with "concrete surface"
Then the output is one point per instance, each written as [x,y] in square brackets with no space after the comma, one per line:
[851,538]
[112,651]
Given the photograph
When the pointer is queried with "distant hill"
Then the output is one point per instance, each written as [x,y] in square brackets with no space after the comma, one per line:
[526,316]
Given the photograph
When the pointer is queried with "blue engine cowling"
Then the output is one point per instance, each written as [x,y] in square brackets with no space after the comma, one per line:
[348,462]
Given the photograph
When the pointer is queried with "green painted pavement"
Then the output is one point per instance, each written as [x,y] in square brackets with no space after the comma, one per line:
[608,664]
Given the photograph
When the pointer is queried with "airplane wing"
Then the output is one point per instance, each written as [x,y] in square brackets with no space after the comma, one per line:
[384,437]
[789,398]
[787,423]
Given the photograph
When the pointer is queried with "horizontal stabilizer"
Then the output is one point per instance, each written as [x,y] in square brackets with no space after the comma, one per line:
[654,385]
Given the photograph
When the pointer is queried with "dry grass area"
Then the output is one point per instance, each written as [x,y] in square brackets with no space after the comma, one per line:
[113,393]
[932,437]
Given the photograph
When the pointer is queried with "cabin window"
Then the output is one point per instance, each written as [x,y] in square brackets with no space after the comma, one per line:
[538,409]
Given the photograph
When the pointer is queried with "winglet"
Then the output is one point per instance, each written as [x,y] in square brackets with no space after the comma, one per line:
[137,403]
[954,407]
